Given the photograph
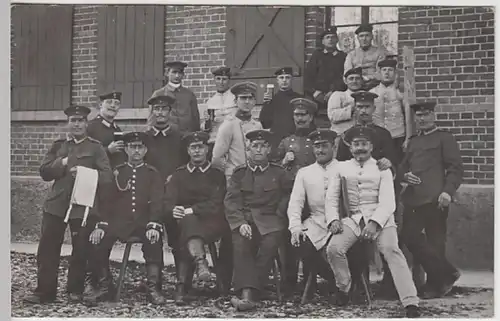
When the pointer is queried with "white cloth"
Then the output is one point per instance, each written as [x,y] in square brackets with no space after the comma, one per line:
[224,105]
[340,109]
[310,186]
[85,186]
[389,109]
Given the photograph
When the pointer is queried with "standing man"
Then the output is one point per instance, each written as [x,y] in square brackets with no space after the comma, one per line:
[255,203]
[366,56]
[104,127]
[194,199]
[136,204]
[220,105]
[433,170]
[185,113]
[341,105]
[370,207]
[310,235]
[391,111]
[230,144]
[277,113]
[323,74]
[60,165]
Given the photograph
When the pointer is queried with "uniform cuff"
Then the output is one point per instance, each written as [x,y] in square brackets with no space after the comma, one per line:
[188,211]
[155,226]
[102,225]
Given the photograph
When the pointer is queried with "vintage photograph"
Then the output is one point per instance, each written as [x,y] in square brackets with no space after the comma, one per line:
[197,161]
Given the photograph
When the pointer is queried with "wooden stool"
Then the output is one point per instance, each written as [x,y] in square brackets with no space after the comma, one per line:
[123,267]
[279,271]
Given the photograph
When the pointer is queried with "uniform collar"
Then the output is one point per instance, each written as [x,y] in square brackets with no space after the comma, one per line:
[174,87]
[327,165]
[132,166]
[70,138]
[191,168]
[368,161]
[427,132]
[107,123]
[254,168]
[334,53]
[164,132]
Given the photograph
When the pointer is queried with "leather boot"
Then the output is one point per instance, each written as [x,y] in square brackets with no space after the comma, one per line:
[154,276]
[196,249]
[246,302]
[182,279]
[101,290]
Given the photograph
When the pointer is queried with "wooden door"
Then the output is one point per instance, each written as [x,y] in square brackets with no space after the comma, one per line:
[262,39]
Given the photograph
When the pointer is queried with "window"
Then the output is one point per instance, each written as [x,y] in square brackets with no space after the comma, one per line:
[383,19]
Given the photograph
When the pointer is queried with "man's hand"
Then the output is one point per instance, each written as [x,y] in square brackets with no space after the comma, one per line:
[246,231]
[405,144]
[369,232]
[317,93]
[336,227]
[116,147]
[72,171]
[153,235]
[178,212]
[444,200]
[267,97]
[96,236]
[289,157]
[412,179]
[297,238]
[65,161]
[384,164]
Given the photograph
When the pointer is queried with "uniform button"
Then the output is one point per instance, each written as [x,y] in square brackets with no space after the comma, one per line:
[307,146]
[133,181]
[308,140]
[133,187]
[133,197]
[134,170]
[133,176]
[133,210]
[293,139]
[133,204]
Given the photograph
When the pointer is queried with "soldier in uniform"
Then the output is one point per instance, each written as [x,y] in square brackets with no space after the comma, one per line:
[323,73]
[185,113]
[370,206]
[366,56]
[136,200]
[104,129]
[433,171]
[194,201]
[59,165]
[256,203]
[229,149]
[277,113]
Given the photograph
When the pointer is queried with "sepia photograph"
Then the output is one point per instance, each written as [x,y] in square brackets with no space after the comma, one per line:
[257,161]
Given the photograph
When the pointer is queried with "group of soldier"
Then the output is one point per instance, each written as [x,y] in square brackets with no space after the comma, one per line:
[279,184]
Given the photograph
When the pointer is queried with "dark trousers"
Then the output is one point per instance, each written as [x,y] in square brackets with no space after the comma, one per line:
[290,260]
[49,254]
[253,258]
[428,249]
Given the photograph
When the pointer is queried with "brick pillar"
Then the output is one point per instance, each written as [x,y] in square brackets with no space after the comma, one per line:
[315,22]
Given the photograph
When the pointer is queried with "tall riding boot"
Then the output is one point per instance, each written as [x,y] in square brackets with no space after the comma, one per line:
[154,276]
[182,280]
[246,302]
[196,249]
[100,288]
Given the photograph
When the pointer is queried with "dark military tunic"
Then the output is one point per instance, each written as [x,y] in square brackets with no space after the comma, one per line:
[383,146]
[103,131]
[88,153]
[325,72]
[277,115]
[302,148]
[202,189]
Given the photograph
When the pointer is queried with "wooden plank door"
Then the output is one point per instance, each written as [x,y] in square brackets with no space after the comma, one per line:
[262,39]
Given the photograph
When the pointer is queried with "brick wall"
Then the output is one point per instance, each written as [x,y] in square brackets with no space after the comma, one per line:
[454,51]
[315,24]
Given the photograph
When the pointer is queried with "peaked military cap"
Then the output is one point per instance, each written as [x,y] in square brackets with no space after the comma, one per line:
[222,71]
[423,106]
[364,96]
[177,65]
[322,135]
[284,71]
[387,62]
[304,103]
[112,95]
[359,132]
[364,28]
[259,134]
[163,100]
[246,87]
[195,137]
[354,71]
[332,30]
[77,111]
[135,137]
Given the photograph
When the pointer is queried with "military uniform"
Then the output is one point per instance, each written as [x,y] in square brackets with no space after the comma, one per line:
[434,157]
[86,152]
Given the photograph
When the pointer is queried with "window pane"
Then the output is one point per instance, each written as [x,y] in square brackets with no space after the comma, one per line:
[346,16]
[386,35]
[347,38]
[382,14]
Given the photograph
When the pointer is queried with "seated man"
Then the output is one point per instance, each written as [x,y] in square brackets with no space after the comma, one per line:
[194,199]
[256,202]
[370,206]
[135,201]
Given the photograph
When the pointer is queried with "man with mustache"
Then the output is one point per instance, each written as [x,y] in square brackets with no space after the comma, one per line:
[370,207]
[366,56]
[185,113]
[104,127]
[230,144]
[134,211]
[194,199]
[255,207]
[323,73]
[60,165]
[277,113]
[433,171]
